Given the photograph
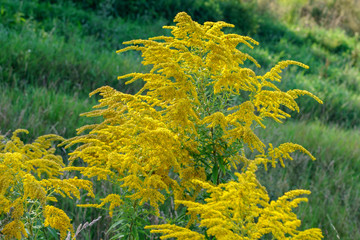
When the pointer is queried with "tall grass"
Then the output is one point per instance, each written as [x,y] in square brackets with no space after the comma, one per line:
[67,19]
[328,14]
[334,72]
[333,178]
[42,111]
[39,58]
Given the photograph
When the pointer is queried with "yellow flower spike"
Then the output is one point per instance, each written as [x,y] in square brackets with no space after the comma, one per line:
[17,209]
[216,119]
[57,219]
[173,231]
[309,234]
[68,187]
[273,74]
[4,204]
[33,189]
[113,199]
[14,229]
[296,92]
[242,210]
[282,152]
[29,177]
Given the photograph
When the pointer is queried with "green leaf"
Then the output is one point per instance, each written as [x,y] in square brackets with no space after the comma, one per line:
[222,166]
[231,173]
[115,225]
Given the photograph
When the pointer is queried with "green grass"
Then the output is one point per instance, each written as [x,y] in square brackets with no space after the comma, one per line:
[66,19]
[333,178]
[40,59]
[42,111]
[46,75]
[334,73]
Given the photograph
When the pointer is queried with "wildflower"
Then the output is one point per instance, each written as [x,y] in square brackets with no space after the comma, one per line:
[29,177]
[242,210]
[14,229]
[57,218]
[184,131]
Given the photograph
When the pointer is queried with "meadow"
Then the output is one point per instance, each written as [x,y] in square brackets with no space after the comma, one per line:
[54,53]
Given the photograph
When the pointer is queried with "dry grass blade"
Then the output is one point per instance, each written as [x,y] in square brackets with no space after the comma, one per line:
[82,227]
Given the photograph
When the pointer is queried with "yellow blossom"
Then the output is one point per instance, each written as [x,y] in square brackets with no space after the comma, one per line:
[185,131]
[242,210]
[57,218]
[173,231]
[29,177]
[14,229]
[113,199]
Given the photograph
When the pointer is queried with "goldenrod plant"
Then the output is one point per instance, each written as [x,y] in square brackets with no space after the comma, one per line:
[175,152]
[183,138]
[30,178]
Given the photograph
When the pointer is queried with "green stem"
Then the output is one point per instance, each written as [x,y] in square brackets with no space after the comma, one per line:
[214,153]
[43,230]
[133,220]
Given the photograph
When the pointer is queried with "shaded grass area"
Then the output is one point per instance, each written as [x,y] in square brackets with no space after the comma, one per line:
[46,74]
[333,75]
[76,66]
[42,111]
[333,178]
[67,19]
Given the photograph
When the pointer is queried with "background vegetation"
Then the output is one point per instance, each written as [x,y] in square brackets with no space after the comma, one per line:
[55,52]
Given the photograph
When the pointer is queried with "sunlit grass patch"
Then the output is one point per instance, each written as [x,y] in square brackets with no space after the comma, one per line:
[333,178]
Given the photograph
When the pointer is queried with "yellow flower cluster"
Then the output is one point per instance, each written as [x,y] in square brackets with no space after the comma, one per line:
[29,177]
[113,199]
[242,210]
[173,231]
[133,147]
[184,131]
[57,218]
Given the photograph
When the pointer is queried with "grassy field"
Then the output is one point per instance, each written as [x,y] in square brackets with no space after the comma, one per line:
[54,54]
[333,178]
